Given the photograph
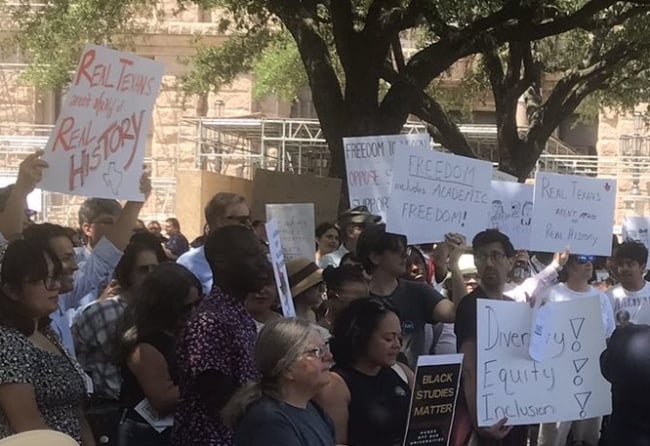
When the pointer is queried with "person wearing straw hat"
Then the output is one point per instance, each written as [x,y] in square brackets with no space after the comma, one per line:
[307,287]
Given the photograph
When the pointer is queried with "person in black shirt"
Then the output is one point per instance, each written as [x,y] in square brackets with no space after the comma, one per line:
[626,364]
[383,255]
[494,256]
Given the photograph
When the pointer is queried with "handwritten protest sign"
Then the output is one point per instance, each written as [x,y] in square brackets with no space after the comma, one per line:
[573,211]
[98,143]
[434,193]
[511,211]
[433,403]
[636,229]
[369,166]
[296,225]
[567,386]
[280,269]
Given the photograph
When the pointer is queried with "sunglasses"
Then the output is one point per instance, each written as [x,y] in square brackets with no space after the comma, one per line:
[585,259]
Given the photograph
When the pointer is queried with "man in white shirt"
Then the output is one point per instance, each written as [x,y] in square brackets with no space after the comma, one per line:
[579,271]
[633,291]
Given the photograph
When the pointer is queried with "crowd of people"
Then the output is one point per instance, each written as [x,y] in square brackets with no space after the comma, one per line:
[120,333]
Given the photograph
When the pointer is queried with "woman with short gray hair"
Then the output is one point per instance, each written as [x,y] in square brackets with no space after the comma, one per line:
[294,362]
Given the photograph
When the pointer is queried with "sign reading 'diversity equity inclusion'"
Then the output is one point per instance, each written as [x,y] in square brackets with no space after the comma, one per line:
[280,269]
[434,193]
[573,211]
[433,403]
[511,211]
[635,229]
[98,143]
[566,386]
[369,166]
[296,225]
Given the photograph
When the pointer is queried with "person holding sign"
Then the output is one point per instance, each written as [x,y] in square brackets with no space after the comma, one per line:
[627,297]
[383,256]
[493,255]
[575,285]
[294,362]
[370,392]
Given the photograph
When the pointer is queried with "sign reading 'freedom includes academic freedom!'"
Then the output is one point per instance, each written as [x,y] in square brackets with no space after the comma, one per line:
[434,193]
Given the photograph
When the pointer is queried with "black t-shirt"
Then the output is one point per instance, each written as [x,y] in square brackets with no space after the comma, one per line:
[626,364]
[269,421]
[415,302]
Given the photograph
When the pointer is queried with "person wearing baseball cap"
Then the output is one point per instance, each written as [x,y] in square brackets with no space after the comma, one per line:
[351,224]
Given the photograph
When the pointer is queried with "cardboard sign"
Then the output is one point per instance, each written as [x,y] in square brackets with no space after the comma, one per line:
[573,211]
[635,229]
[434,193]
[297,231]
[433,404]
[98,144]
[567,386]
[278,187]
[511,211]
[280,269]
[369,167]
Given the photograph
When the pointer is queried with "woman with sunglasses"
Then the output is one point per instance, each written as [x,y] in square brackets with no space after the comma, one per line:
[294,364]
[41,386]
[574,284]
[168,296]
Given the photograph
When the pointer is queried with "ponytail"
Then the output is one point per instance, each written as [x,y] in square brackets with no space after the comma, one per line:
[239,403]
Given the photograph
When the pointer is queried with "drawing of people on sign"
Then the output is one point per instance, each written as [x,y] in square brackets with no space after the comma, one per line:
[526,213]
[515,209]
[497,214]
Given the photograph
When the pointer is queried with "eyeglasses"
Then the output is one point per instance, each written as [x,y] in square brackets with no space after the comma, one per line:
[50,283]
[244,220]
[495,256]
[585,259]
[318,352]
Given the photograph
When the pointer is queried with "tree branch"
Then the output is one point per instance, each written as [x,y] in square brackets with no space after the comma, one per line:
[343,30]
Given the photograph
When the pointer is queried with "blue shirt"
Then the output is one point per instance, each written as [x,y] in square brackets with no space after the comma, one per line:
[195,261]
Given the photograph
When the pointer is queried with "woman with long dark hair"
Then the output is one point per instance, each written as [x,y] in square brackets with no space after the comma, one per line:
[294,361]
[167,298]
[41,386]
[370,392]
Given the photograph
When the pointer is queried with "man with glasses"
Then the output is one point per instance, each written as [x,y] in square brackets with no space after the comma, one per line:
[224,209]
[578,272]
[633,291]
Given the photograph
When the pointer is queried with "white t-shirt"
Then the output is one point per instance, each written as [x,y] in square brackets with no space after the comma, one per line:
[626,303]
[562,293]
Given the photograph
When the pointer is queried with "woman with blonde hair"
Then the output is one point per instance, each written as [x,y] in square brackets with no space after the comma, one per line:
[294,363]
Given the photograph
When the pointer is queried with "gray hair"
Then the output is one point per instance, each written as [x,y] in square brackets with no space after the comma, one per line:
[280,344]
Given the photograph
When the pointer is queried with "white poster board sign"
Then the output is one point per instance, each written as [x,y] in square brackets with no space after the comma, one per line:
[369,167]
[636,229]
[434,193]
[280,269]
[98,144]
[297,231]
[573,211]
[511,211]
[568,386]
[34,199]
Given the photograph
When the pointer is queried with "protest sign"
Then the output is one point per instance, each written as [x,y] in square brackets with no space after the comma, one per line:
[280,269]
[296,225]
[98,144]
[433,403]
[281,187]
[369,167]
[434,193]
[511,211]
[566,386]
[636,229]
[573,211]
